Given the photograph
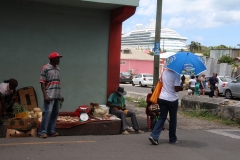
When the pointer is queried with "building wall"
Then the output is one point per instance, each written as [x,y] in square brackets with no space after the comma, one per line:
[218,53]
[139,66]
[222,69]
[30,31]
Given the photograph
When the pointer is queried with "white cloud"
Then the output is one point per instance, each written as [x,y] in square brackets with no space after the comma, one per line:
[145,3]
[147,11]
[194,13]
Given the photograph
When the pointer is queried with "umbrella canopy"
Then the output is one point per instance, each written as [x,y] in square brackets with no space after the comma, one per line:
[186,63]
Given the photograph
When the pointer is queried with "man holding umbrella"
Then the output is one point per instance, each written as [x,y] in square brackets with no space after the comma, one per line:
[168,99]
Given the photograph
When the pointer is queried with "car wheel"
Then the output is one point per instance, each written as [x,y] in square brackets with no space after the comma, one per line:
[133,83]
[228,94]
[140,84]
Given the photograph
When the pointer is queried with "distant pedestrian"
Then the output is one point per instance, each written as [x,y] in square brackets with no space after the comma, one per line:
[216,89]
[183,78]
[212,84]
[192,84]
[168,102]
[202,85]
[50,84]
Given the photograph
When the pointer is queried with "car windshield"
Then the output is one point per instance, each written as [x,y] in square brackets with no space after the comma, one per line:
[227,79]
[126,73]
[147,75]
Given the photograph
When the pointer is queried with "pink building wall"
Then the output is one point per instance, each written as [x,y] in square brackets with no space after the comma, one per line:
[139,66]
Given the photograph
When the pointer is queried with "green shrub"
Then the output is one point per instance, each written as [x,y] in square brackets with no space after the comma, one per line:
[206,115]
[139,102]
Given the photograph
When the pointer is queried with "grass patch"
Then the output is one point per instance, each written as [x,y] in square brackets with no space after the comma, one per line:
[206,115]
[139,102]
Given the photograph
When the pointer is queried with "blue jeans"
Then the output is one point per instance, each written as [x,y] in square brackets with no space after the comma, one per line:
[49,117]
[165,107]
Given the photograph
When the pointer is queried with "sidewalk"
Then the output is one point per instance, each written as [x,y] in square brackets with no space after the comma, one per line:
[184,123]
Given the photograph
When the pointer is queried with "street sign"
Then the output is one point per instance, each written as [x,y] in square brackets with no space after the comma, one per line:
[156,48]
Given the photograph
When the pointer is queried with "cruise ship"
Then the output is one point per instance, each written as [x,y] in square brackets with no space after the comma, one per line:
[144,38]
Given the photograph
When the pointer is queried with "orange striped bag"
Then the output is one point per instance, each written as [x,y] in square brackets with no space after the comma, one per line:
[156,92]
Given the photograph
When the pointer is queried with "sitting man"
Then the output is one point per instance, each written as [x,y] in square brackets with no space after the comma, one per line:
[117,104]
[154,114]
[7,97]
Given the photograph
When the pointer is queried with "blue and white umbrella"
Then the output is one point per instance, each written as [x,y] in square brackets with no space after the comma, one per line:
[186,63]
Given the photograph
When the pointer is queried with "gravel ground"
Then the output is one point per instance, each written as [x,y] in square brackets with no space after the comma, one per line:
[184,123]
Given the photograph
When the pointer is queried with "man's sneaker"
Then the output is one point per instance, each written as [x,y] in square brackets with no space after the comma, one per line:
[153,141]
[44,135]
[130,129]
[125,132]
[139,131]
[175,142]
[55,134]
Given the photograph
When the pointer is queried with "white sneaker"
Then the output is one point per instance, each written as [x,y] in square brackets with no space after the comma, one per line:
[139,131]
[130,129]
[125,132]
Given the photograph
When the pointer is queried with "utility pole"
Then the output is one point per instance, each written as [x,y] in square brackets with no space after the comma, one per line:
[157,42]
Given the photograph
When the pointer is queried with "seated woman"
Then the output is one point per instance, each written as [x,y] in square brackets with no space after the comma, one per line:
[152,113]
[7,88]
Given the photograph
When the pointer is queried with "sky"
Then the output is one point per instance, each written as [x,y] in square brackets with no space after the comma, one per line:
[209,22]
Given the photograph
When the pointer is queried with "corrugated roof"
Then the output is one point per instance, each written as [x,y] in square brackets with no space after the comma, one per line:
[135,54]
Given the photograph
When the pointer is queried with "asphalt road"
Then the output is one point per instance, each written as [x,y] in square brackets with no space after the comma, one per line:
[199,140]
[145,90]
[194,145]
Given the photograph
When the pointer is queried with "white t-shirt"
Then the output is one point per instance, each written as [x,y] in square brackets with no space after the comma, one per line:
[4,89]
[193,82]
[170,79]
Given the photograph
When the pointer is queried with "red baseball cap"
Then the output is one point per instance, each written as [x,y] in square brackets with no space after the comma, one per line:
[54,55]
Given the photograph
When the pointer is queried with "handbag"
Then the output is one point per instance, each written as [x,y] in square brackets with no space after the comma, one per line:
[156,93]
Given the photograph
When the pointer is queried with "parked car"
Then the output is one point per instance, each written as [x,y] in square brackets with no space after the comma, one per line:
[143,79]
[222,82]
[125,77]
[232,89]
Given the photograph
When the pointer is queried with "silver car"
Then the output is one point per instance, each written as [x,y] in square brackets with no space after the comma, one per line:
[143,79]
[125,77]
[222,82]
[233,89]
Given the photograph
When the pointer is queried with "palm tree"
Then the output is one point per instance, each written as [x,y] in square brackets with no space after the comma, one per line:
[195,46]
[221,47]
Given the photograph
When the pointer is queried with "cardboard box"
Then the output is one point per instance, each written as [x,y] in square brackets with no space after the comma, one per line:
[16,133]
[23,123]
[28,98]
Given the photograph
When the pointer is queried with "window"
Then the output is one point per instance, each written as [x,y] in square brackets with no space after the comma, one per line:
[238,80]
[227,79]
[147,75]
[122,63]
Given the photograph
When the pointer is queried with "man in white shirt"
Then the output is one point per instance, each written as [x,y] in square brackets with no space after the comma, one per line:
[168,102]
[6,88]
